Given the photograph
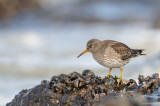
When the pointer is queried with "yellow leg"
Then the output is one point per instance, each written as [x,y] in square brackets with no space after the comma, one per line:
[109,72]
[120,77]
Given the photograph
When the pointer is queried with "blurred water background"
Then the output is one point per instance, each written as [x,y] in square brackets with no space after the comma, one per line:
[42,38]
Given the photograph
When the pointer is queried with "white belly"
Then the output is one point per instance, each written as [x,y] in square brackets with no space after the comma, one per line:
[110,59]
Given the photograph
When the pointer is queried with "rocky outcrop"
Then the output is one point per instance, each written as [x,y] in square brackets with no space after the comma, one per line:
[87,89]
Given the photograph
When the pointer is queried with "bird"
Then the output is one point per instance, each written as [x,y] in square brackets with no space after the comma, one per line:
[111,54]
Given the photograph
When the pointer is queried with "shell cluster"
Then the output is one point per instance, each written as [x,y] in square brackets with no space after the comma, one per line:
[87,89]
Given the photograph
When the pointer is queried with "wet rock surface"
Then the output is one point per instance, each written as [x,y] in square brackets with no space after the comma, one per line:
[86,89]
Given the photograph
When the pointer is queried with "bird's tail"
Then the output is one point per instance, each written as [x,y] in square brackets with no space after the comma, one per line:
[137,52]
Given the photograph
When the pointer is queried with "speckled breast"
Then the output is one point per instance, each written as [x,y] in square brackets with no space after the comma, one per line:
[109,58]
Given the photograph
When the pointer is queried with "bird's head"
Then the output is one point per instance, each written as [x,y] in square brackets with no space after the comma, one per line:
[92,46]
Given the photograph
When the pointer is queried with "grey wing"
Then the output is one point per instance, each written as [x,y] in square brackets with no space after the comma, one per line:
[123,50]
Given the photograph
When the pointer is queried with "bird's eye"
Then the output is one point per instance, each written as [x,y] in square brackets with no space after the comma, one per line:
[90,46]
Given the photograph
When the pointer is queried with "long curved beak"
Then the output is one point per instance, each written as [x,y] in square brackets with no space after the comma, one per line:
[85,51]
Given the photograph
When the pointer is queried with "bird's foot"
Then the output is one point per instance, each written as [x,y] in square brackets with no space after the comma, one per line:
[108,76]
[120,80]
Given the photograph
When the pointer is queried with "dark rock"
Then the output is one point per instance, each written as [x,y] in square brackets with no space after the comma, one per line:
[148,78]
[155,76]
[131,84]
[73,76]
[149,84]
[58,87]
[54,78]
[44,82]
[98,81]
[109,81]
[79,75]
[88,73]
[158,100]
[141,79]
[89,90]
[64,100]
[76,83]
[65,91]
[82,83]
[63,78]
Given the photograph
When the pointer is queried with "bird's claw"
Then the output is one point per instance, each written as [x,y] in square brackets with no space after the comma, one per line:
[107,75]
[120,80]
